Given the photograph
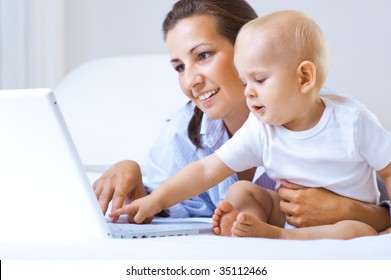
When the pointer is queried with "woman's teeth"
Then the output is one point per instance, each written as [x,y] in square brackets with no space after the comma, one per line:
[208,94]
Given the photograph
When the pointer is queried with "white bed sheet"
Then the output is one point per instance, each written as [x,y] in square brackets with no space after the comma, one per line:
[201,247]
[195,248]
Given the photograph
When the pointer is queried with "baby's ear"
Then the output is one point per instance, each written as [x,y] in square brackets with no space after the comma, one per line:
[306,73]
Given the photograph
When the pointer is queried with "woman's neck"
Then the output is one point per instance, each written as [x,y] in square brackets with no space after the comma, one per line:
[235,120]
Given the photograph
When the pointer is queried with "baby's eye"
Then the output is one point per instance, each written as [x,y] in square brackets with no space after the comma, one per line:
[260,81]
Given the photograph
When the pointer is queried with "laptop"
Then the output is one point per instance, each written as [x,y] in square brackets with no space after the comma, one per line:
[160,227]
[44,189]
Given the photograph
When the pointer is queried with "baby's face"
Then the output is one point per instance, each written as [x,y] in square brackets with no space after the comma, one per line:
[272,84]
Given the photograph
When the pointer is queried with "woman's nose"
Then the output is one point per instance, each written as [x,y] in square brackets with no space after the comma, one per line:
[192,79]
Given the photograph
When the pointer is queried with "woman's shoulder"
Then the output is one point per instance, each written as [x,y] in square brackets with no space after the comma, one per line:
[172,150]
[176,126]
[183,115]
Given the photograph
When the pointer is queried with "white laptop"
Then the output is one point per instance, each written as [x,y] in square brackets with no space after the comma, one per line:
[44,190]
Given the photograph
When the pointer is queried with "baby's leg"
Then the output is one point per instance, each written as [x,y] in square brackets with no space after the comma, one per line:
[244,196]
[247,225]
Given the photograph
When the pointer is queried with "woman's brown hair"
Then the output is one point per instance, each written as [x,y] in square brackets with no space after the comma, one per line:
[230,16]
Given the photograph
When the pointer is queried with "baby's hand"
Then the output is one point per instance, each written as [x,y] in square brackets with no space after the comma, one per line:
[140,211]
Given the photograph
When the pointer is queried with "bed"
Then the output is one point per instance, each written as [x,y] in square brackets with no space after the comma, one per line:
[123,102]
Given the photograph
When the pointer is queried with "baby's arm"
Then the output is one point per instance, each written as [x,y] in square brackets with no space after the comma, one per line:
[193,180]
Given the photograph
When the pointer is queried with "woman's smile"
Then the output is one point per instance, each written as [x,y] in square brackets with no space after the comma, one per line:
[207,95]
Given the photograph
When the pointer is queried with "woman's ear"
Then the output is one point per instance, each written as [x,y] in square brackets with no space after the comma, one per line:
[306,73]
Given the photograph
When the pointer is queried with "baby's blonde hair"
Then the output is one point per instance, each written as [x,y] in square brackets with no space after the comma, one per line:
[297,38]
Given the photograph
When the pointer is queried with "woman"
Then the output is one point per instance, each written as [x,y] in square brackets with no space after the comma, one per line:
[200,36]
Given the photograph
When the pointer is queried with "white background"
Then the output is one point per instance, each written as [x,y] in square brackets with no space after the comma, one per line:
[57,35]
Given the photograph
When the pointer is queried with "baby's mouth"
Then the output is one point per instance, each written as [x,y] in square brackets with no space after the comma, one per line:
[208,94]
[258,108]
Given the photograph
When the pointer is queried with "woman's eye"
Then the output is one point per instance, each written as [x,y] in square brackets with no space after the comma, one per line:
[204,55]
[179,68]
[243,82]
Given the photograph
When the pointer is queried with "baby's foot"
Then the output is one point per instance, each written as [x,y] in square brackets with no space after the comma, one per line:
[223,218]
[246,225]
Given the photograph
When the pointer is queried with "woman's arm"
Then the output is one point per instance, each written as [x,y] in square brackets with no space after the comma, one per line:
[385,174]
[122,182]
[318,206]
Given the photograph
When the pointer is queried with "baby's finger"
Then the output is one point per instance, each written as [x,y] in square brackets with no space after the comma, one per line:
[119,212]
[141,218]
[131,218]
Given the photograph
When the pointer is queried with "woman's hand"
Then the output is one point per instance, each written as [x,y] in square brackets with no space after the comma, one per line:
[318,206]
[120,183]
[307,206]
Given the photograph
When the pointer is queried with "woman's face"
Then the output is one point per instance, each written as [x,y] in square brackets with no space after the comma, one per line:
[204,61]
